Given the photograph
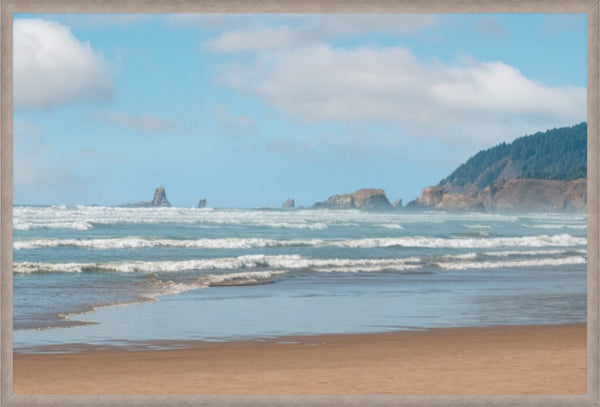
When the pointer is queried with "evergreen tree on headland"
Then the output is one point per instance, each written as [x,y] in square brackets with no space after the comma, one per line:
[557,154]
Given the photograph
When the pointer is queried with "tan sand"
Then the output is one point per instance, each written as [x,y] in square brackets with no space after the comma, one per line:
[529,359]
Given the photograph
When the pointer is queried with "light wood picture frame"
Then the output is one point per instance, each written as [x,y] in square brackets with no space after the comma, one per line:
[9,7]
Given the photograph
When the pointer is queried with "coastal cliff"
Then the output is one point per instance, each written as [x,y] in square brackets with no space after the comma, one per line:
[509,195]
[542,172]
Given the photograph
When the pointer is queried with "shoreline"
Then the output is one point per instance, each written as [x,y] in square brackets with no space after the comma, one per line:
[520,359]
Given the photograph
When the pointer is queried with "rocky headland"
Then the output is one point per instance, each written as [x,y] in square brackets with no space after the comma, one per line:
[509,195]
[541,172]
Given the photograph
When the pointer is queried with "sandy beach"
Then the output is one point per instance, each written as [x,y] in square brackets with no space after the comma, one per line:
[515,359]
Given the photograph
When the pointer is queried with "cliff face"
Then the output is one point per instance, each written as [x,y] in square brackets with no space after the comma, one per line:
[367,199]
[536,194]
[439,198]
[510,195]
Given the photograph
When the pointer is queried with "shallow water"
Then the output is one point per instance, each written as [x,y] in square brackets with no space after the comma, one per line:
[188,270]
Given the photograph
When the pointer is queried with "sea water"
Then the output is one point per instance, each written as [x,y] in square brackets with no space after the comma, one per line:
[227,274]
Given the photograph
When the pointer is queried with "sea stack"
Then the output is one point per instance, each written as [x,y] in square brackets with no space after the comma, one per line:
[289,204]
[202,203]
[159,200]
[367,199]
[397,204]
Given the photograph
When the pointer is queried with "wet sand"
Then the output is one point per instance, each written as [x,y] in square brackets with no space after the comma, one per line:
[516,359]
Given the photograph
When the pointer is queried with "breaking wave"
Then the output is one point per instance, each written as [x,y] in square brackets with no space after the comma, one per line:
[134,242]
[512,263]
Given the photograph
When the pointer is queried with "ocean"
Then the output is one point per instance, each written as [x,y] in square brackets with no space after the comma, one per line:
[147,276]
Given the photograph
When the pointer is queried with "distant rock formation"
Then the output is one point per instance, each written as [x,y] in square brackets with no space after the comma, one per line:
[509,195]
[159,200]
[397,203]
[438,198]
[367,199]
[202,203]
[289,204]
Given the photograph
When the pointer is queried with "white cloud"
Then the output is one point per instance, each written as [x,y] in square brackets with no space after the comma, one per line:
[37,166]
[484,101]
[53,68]
[255,39]
[143,123]
[304,29]
[240,124]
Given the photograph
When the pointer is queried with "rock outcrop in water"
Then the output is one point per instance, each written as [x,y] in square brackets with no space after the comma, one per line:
[436,197]
[397,204]
[289,204]
[159,200]
[366,199]
[202,203]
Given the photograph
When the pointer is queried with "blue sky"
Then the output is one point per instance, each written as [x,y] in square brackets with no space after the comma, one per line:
[249,110]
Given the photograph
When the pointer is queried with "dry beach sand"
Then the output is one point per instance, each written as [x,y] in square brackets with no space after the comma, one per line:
[517,359]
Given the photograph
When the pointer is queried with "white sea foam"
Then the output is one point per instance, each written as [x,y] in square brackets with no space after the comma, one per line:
[231,279]
[512,263]
[466,243]
[557,226]
[226,263]
[86,217]
[365,268]
[252,277]
[295,262]
[21,224]
[391,226]
[462,256]
[507,253]
[133,242]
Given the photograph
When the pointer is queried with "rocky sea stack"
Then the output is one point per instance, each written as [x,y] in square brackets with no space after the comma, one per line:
[366,199]
[159,200]
[289,204]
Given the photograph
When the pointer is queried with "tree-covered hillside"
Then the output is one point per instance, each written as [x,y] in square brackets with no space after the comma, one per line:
[557,154]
